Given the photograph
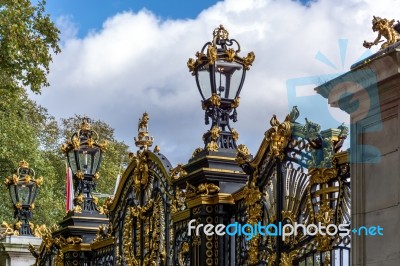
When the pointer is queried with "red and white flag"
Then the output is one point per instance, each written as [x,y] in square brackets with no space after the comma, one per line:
[69,190]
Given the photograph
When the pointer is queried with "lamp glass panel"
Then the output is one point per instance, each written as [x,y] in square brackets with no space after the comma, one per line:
[228,76]
[72,162]
[203,77]
[34,190]
[89,159]
[23,194]
[13,194]
[96,161]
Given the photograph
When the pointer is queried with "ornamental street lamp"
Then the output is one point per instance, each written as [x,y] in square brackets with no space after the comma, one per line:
[84,156]
[23,189]
[220,73]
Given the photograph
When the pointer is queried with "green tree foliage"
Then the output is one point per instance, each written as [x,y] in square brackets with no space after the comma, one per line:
[27,37]
[27,40]
[28,132]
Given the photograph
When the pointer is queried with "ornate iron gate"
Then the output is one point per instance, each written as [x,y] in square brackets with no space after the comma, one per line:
[298,176]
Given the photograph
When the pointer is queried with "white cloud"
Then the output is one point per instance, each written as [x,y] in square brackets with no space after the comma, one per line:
[137,63]
[67,27]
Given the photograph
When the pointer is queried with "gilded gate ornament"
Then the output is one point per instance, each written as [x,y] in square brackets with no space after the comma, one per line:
[141,172]
[252,197]
[278,135]
[204,189]
[179,201]
[143,140]
[10,229]
[385,28]
[304,192]
[242,154]
[215,130]
[177,172]
[105,209]
[287,258]
[212,146]
[196,152]
[183,251]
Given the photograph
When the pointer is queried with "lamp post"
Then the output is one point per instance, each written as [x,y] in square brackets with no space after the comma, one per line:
[220,73]
[23,188]
[84,156]
[212,172]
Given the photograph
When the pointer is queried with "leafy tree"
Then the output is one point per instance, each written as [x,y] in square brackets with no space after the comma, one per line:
[27,37]
[28,132]
[27,40]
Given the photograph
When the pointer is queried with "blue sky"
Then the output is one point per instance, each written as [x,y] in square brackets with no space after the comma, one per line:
[88,15]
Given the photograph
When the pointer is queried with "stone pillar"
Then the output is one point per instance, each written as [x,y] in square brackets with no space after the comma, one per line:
[370,93]
[14,250]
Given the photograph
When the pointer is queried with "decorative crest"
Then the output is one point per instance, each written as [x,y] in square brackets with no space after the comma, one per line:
[385,28]
[311,129]
[23,164]
[143,141]
[220,34]
[85,124]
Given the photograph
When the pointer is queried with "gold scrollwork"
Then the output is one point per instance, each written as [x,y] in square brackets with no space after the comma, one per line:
[207,189]
[9,229]
[181,254]
[321,175]
[212,54]
[154,233]
[242,154]
[11,180]
[129,256]
[177,172]
[271,259]
[191,64]
[78,201]
[215,99]
[230,53]
[215,130]
[204,189]
[252,197]
[196,151]
[278,136]
[235,134]
[287,258]
[33,250]
[75,143]
[235,103]
[103,232]
[80,175]
[178,202]
[212,146]
[105,209]
[324,217]
[248,60]
[141,172]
